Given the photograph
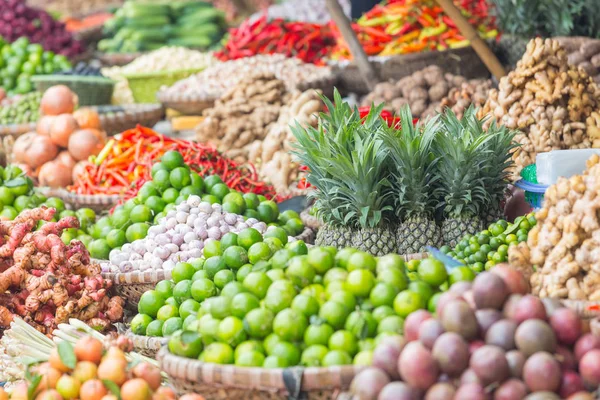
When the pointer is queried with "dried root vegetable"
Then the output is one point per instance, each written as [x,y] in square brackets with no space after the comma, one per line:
[273,153]
[474,92]
[45,281]
[564,246]
[244,114]
[551,102]
[423,91]
[584,53]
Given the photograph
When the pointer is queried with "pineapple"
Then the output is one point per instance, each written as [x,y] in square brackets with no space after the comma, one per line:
[348,167]
[462,151]
[414,181]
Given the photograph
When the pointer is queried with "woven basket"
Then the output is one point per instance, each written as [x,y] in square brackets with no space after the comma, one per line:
[146,345]
[116,119]
[96,202]
[582,308]
[90,90]
[16,130]
[116,59]
[144,87]
[221,382]
[178,104]
[131,285]
[310,220]
[462,61]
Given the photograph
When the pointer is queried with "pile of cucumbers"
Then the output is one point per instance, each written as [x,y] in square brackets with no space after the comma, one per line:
[143,26]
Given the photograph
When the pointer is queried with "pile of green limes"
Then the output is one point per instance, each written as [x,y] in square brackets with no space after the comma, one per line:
[261,301]
[173,182]
[490,247]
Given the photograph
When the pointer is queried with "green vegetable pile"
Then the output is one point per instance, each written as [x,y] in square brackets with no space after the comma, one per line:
[20,60]
[149,26]
[490,247]
[263,301]
[172,183]
[21,109]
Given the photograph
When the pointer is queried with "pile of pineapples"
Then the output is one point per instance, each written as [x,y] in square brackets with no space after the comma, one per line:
[398,189]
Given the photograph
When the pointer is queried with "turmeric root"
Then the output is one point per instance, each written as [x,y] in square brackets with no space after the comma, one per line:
[6,317]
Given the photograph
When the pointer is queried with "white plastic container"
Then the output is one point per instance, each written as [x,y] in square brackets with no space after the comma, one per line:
[556,163]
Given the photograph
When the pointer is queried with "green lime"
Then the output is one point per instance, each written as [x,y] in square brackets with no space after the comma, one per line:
[259,251]
[361,260]
[306,305]
[251,214]
[342,257]
[334,314]
[136,231]
[362,324]
[139,324]
[280,295]
[268,211]
[243,272]
[155,328]
[210,199]
[208,328]
[294,226]
[363,358]
[197,263]
[391,324]
[336,357]
[182,271]
[297,247]
[461,274]
[188,307]
[202,274]
[219,190]
[258,322]
[212,248]
[202,289]
[344,341]
[182,291]
[242,303]
[276,275]
[422,288]
[335,274]
[150,302]
[251,201]
[231,331]
[300,271]
[166,312]
[318,334]
[286,215]
[172,159]
[6,196]
[383,294]
[275,362]
[381,312]
[120,218]
[270,341]
[170,195]
[390,261]
[232,288]
[250,359]
[156,168]
[344,298]
[156,204]
[21,203]
[257,283]
[235,256]
[229,239]
[223,277]
[211,181]
[313,355]
[218,353]
[148,189]
[320,259]
[213,265]
[360,281]
[140,213]
[249,236]
[317,291]
[235,198]
[197,182]
[171,300]
[288,351]
[280,258]
[248,346]
[53,202]
[99,249]
[407,302]
[394,277]
[279,233]
[220,307]
[290,325]
[165,288]
[186,344]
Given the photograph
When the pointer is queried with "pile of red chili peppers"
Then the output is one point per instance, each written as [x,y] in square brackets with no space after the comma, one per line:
[310,43]
[410,26]
[127,162]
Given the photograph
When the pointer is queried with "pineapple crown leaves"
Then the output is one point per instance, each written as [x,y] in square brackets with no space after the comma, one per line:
[413,165]
[463,148]
[347,165]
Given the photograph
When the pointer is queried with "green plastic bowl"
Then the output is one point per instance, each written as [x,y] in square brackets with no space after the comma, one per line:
[91,90]
[145,86]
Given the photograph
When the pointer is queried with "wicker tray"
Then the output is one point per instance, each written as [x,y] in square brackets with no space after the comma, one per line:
[184,107]
[116,119]
[96,202]
[220,382]
[146,345]
[462,61]
[131,285]
[16,130]
[116,59]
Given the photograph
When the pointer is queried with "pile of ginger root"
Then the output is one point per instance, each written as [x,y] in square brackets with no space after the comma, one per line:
[555,105]
[564,245]
[46,282]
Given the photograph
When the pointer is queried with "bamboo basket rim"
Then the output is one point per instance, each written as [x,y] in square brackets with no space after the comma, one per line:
[137,277]
[224,375]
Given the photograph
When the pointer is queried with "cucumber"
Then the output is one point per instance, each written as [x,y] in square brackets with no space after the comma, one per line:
[139,22]
[150,46]
[199,42]
[203,30]
[203,15]
[149,35]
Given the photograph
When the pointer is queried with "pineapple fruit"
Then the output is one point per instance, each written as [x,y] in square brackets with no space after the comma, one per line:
[348,167]
[414,182]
